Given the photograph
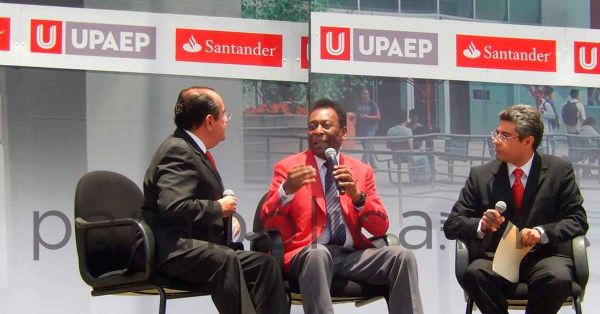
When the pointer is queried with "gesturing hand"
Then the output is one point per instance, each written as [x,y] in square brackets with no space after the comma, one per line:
[297,177]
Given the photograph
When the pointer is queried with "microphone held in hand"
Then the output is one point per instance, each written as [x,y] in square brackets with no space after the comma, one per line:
[500,207]
[330,155]
[227,220]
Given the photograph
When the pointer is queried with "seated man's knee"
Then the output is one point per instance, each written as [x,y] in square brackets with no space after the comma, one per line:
[474,272]
[318,253]
[402,254]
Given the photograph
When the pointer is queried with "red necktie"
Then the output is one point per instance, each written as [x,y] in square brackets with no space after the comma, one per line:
[517,188]
[211,159]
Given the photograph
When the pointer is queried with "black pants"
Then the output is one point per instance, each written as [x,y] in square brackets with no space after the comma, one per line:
[239,281]
[548,279]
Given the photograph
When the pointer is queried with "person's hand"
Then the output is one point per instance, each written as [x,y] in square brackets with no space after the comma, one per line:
[491,221]
[228,205]
[347,181]
[297,177]
[530,237]
[235,228]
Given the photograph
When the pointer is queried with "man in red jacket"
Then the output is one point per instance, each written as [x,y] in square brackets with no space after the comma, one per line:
[322,228]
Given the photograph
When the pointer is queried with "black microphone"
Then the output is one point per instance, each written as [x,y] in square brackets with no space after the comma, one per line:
[330,154]
[227,221]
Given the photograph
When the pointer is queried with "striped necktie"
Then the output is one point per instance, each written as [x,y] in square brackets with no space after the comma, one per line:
[335,220]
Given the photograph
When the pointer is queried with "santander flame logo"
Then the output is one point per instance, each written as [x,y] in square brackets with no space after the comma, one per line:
[192,45]
[472,52]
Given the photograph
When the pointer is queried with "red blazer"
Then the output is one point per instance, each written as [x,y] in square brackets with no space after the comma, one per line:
[303,219]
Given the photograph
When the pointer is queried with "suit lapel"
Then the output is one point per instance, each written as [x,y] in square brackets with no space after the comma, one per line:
[316,188]
[186,137]
[537,174]
[500,185]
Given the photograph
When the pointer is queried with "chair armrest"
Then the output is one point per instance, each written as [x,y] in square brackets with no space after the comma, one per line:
[386,240]
[82,225]
[580,261]
[461,262]
[268,241]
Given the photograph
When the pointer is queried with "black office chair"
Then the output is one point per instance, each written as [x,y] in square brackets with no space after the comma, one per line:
[108,228]
[518,298]
[342,290]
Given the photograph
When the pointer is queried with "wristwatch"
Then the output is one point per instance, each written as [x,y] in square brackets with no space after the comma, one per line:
[361,200]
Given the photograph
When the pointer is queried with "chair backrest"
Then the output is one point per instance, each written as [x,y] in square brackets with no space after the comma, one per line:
[257,223]
[106,196]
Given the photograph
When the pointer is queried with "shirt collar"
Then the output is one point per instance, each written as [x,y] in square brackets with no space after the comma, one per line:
[321,161]
[197,140]
[526,167]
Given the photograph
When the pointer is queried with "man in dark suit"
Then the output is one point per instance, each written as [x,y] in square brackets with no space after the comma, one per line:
[543,201]
[185,207]
[322,229]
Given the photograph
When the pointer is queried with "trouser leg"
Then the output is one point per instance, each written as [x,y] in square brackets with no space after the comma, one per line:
[218,268]
[549,284]
[313,267]
[393,266]
[265,283]
[486,287]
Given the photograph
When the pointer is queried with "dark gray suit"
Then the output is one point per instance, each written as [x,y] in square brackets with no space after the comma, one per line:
[551,201]
[181,189]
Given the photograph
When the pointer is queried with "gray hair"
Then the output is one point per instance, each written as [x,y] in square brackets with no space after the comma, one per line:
[527,120]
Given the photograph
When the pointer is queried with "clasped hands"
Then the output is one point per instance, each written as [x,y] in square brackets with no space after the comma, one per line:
[492,220]
[300,175]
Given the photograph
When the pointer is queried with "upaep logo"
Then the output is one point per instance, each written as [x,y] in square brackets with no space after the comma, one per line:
[46,36]
[4,34]
[304,52]
[197,45]
[395,46]
[335,43]
[93,39]
[586,57]
[339,43]
[506,53]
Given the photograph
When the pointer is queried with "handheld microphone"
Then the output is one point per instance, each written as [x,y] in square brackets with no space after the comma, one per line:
[227,221]
[500,207]
[330,155]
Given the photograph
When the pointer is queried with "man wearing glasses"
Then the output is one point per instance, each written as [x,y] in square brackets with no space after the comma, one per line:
[185,207]
[543,201]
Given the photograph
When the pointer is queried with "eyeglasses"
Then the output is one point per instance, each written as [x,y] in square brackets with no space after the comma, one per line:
[227,115]
[501,137]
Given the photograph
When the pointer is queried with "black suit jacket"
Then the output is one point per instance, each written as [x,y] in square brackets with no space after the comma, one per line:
[551,200]
[180,189]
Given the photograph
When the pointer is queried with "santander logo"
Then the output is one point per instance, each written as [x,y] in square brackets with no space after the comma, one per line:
[523,54]
[586,57]
[4,34]
[335,43]
[46,36]
[192,45]
[208,46]
[471,52]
